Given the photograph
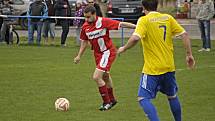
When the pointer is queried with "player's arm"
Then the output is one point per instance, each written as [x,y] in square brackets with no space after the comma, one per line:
[133,40]
[81,51]
[178,30]
[127,25]
[137,35]
[187,44]
[115,25]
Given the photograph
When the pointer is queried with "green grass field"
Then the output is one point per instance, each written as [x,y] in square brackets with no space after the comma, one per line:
[32,77]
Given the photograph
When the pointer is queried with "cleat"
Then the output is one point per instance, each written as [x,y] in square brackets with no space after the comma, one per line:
[105,107]
[113,103]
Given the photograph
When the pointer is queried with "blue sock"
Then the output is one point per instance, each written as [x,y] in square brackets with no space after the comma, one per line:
[149,109]
[175,108]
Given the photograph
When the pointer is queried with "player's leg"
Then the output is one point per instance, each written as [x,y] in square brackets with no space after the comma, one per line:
[147,91]
[148,108]
[107,78]
[103,62]
[109,83]
[169,87]
[175,107]
[97,76]
[109,56]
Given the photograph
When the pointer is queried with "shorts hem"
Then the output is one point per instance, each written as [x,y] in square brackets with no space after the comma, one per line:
[102,70]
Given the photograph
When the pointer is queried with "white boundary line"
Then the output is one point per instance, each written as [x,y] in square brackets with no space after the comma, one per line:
[44,17]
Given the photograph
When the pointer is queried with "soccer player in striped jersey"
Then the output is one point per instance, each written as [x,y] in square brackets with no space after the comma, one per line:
[155,31]
[96,31]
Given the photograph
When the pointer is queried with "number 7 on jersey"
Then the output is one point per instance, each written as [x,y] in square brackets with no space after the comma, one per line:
[164,27]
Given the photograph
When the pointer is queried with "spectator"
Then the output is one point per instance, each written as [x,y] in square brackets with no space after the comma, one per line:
[214,8]
[205,12]
[84,2]
[78,22]
[49,24]
[186,8]
[62,8]
[1,19]
[98,9]
[36,8]
[6,9]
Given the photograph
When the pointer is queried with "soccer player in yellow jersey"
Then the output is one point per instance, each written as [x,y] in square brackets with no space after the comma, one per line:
[155,31]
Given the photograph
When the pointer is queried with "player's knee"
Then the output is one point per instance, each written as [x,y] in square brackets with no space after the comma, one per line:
[99,81]
[171,97]
[96,77]
[106,77]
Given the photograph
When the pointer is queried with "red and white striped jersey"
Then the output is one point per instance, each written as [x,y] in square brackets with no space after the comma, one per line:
[98,33]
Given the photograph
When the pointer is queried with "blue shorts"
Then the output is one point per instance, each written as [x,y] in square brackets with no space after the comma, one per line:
[151,84]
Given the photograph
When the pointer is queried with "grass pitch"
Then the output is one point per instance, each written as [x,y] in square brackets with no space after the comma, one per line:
[31,78]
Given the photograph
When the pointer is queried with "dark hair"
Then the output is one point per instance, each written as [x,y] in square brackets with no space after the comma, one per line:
[150,5]
[90,9]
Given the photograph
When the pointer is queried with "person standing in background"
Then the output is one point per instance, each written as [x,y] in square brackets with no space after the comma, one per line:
[6,9]
[1,19]
[49,24]
[36,8]
[205,13]
[214,8]
[98,9]
[186,9]
[62,8]
[78,22]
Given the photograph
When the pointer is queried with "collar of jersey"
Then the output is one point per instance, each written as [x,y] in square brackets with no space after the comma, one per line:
[151,12]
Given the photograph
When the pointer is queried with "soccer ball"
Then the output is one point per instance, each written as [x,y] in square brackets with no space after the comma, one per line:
[62,104]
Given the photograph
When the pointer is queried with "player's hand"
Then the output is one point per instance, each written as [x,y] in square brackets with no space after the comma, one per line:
[190,61]
[77,59]
[121,50]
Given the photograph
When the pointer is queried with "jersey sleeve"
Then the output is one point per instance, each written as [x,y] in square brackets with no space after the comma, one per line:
[83,35]
[111,24]
[176,28]
[140,28]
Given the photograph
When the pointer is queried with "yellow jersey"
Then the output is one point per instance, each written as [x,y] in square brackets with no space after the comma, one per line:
[156,31]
